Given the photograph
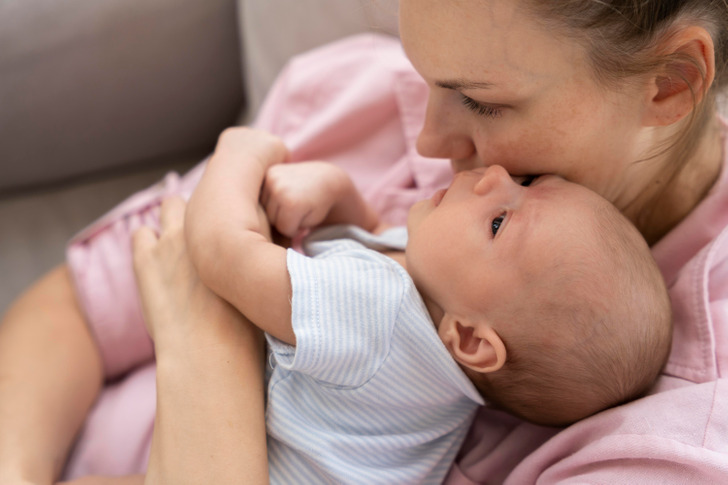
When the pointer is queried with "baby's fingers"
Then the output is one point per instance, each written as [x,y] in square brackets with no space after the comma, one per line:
[289,222]
[271,207]
[264,194]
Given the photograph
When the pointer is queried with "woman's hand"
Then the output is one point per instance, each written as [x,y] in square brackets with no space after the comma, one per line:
[300,196]
[210,424]
[175,301]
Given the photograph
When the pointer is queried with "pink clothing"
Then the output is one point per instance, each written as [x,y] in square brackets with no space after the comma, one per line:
[358,103]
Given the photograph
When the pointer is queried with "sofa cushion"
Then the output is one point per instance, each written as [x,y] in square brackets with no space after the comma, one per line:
[273,31]
[87,86]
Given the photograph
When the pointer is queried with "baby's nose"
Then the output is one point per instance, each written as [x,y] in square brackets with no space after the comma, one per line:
[494,176]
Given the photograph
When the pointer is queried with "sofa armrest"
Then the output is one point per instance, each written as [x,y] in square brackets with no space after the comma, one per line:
[87,86]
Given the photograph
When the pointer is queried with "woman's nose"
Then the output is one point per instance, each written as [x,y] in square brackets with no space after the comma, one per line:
[442,136]
[494,177]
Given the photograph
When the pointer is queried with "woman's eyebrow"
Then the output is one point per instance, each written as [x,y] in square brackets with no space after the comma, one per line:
[457,84]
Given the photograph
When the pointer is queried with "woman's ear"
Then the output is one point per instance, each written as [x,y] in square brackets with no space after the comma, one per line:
[475,345]
[685,79]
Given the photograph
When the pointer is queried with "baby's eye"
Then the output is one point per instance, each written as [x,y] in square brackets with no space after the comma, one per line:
[528,180]
[495,225]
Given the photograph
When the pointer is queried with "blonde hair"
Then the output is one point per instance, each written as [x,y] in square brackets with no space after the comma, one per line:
[598,337]
[622,39]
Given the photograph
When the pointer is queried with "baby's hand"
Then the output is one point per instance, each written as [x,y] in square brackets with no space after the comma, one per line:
[299,196]
[266,148]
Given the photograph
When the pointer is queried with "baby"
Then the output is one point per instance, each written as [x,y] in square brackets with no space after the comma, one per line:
[536,296]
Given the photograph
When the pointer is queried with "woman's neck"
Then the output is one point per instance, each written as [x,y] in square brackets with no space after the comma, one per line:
[662,208]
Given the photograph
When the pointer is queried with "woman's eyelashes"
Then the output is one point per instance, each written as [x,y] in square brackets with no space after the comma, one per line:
[481,109]
[496,223]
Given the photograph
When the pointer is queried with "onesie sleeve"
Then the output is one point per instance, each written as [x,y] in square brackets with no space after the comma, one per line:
[344,306]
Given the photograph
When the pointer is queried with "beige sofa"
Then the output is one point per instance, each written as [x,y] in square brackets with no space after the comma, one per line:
[99,99]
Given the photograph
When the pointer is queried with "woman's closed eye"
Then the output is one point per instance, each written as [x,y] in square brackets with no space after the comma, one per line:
[481,109]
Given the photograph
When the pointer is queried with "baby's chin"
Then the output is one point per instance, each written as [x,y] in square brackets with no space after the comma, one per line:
[414,216]
[419,211]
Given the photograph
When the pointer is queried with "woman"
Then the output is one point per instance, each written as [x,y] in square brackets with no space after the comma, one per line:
[618,96]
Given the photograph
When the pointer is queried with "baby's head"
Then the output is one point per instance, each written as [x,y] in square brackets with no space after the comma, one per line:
[545,294]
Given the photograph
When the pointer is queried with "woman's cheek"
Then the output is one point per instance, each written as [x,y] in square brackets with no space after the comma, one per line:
[529,152]
[471,163]
[513,155]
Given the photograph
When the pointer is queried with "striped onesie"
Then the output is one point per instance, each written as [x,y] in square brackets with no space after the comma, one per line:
[369,394]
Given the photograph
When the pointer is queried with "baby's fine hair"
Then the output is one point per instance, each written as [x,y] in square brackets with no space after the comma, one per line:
[599,334]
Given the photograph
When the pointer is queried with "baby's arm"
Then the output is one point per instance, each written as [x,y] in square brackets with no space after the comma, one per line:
[227,241]
[305,195]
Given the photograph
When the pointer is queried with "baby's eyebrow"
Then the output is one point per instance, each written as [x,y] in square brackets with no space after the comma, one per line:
[457,84]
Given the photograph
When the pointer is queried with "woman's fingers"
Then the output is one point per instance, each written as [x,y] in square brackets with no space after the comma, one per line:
[172,213]
[146,243]
[143,240]
[163,272]
[171,217]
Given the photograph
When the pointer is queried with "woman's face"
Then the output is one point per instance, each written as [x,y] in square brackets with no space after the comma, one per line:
[504,90]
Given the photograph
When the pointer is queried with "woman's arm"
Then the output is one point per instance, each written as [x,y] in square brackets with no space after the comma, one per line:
[210,424]
[50,375]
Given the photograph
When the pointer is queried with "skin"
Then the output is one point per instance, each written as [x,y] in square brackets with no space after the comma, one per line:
[475,253]
[548,125]
[538,109]
[474,246]
[475,250]
[47,355]
[204,349]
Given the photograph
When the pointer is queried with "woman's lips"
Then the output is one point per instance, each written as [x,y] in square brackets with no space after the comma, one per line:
[437,197]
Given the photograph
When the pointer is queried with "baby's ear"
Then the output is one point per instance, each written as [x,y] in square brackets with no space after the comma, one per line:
[473,344]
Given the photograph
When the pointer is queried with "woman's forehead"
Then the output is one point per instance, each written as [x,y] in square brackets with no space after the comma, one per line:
[492,41]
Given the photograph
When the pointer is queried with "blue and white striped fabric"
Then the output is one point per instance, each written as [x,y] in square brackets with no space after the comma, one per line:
[369,394]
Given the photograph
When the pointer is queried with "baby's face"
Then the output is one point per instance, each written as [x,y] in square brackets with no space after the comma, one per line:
[480,244]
